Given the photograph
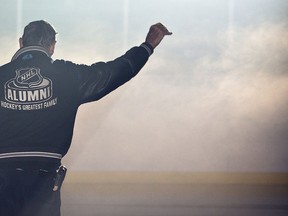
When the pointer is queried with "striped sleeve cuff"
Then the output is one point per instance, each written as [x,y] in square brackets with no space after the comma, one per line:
[148,48]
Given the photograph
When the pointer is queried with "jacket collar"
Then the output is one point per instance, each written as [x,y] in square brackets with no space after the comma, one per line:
[30,48]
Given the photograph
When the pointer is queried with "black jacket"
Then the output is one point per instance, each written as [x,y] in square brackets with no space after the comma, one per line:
[40,97]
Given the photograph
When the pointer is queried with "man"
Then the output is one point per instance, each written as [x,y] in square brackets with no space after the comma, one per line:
[39,101]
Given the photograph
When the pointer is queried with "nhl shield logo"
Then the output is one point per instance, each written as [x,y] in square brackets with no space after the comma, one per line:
[28,77]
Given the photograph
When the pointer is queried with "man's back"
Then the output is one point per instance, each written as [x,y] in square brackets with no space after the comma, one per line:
[41,97]
[38,104]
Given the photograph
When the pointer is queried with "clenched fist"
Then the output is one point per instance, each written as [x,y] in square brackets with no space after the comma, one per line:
[156,34]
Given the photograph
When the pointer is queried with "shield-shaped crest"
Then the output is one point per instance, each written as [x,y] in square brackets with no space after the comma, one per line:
[28,77]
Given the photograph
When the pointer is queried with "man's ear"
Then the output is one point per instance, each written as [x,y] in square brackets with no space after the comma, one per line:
[51,48]
[20,42]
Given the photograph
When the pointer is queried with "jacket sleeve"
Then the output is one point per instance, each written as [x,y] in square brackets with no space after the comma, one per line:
[100,79]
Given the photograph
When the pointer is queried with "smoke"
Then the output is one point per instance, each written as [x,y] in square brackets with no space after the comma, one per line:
[201,104]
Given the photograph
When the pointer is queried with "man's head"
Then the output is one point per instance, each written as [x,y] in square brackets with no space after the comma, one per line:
[39,33]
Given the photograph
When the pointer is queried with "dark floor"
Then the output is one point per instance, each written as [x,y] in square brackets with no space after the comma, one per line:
[174,200]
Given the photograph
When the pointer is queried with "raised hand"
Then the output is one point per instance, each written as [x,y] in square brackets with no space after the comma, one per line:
[156,33]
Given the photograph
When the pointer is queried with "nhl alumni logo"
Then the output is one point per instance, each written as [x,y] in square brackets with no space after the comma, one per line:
[28,87]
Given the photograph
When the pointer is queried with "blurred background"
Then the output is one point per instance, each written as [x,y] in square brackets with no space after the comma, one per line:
[212,98]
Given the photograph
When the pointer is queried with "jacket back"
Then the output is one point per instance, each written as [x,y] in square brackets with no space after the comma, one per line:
[40,97]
